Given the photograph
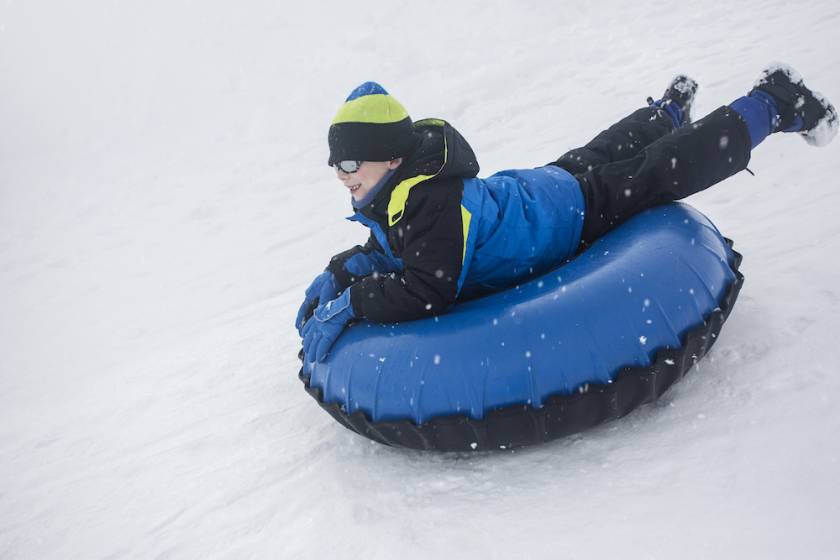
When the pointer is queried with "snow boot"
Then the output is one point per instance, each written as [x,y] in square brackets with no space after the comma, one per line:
[799,109]
[678,99]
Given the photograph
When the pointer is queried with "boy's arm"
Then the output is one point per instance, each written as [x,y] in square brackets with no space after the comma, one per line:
[432,261]
[360,261]
[344,269]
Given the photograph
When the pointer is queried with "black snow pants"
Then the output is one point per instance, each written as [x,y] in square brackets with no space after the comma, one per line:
[641,162]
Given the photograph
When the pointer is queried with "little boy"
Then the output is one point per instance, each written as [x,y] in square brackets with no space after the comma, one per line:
[440,234]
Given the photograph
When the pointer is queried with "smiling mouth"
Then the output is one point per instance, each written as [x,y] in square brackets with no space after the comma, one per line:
[354,188]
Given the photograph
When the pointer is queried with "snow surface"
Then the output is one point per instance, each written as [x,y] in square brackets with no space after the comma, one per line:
[165,199]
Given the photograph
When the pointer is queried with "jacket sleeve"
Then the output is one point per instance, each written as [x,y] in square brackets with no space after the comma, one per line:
[432,260]
[358,262]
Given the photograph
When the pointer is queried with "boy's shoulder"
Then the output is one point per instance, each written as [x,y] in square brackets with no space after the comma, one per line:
[423,196]
[432,176]
[442,151]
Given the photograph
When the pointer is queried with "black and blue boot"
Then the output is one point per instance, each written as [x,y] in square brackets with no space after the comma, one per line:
[797,108]
[677,100]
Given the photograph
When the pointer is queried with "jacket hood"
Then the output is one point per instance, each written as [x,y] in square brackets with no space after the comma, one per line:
[441,151]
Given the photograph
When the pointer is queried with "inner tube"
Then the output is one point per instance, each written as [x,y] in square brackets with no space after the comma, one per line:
[589,341]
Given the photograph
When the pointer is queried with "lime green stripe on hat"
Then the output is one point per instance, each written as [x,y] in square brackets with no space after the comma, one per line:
[373,109]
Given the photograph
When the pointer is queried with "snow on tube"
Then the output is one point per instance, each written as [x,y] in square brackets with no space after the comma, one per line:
[587,342]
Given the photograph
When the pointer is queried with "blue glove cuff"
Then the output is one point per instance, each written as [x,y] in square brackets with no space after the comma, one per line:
[331,309]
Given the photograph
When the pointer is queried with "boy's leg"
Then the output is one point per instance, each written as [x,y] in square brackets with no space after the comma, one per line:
[623,140]
[696,157]
[673,167]
[629,136]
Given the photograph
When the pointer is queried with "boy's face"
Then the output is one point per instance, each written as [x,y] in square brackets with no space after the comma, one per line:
[370,172]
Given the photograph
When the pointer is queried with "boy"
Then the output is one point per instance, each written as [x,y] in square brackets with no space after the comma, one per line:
[439,233]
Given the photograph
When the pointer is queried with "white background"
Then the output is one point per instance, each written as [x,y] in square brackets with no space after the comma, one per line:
[165,200]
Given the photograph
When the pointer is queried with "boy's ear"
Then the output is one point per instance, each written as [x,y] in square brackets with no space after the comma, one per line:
[394,163]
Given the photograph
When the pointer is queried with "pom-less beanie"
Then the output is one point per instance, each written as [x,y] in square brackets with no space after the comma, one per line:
[370,126]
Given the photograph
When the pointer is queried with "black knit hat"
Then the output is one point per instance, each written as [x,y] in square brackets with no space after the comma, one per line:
[370,126]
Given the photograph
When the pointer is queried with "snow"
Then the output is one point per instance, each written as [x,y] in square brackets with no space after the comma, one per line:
[826,129]
[166,199]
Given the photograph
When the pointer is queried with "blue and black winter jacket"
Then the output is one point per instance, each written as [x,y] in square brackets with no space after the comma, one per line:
[439,233]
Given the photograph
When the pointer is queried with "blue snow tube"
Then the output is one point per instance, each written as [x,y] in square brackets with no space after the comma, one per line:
[587,342]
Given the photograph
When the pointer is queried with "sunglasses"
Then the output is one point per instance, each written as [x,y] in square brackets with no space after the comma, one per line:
[347,165]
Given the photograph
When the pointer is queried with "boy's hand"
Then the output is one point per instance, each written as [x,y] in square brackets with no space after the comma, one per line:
[326,324]
[323,289]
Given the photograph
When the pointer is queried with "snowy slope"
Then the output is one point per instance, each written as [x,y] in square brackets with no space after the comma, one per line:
[164,201]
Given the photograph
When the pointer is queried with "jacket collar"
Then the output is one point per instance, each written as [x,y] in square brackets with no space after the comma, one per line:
[440,152]
[371,195]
